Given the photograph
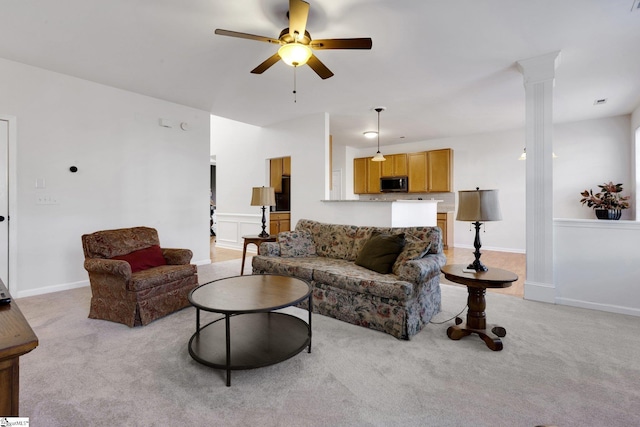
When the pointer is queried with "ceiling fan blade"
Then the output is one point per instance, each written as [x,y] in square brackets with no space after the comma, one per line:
[246,36]
[298,14]
[319,67]
[362,43]
[266,64]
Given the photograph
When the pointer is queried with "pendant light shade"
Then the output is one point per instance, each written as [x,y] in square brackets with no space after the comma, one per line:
[378,157]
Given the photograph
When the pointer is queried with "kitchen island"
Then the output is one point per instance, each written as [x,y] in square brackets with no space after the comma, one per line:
[386,213]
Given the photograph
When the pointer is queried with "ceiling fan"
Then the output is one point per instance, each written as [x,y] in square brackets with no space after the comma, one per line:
[296,43]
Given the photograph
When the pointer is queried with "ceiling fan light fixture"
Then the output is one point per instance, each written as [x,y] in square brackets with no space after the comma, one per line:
[295,54]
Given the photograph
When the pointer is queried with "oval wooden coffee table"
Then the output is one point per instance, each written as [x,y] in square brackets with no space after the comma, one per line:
[477,282]
[251,334]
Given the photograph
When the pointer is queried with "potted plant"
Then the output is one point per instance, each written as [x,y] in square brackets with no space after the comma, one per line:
[608,203]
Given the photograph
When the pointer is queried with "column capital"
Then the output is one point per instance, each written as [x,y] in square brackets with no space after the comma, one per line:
[539,68]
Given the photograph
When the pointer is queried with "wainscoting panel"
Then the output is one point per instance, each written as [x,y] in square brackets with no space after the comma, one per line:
[231,228]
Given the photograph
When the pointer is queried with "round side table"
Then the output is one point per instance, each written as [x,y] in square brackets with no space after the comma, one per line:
[477,284]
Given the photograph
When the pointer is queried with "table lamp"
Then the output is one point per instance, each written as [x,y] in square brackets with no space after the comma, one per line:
[263,196]
[478,206]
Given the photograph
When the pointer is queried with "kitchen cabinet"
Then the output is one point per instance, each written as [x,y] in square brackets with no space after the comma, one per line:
[286,166]
[445,222]
[395,165]
[277,169]
[417,172]
[275,174]
[439,171]
[360,175]
[366,176]
[428,171]
[278,222]
[374,171]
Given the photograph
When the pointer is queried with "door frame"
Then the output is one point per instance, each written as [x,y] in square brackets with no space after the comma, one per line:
[12,177]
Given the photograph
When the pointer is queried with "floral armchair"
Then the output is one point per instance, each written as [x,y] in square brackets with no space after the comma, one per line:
[133,280]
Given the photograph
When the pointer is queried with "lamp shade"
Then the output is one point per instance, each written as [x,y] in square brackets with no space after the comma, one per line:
[478,205]
[263,196]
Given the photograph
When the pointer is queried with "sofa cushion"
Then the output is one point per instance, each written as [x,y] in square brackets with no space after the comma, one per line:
[331,240]
[294,244]
[158,276]
[143,259]
[380,252]
[414,248]
[301,268]
[346,275]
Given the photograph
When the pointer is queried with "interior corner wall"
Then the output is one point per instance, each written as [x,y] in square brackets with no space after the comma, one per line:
[131,172]
[242,153]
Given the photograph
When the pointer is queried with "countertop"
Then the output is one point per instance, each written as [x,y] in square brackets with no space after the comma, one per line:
[442,208]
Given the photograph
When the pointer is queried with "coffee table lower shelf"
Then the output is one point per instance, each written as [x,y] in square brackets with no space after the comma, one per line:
[253,340]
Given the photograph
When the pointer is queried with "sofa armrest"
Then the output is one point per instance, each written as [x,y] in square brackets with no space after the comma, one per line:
[175,256]
[108,266]
[270,249]
[423,269]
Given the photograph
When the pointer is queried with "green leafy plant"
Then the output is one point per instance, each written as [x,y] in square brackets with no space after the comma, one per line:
[609,197]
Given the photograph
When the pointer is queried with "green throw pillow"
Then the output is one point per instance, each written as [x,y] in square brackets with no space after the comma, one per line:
[380,252]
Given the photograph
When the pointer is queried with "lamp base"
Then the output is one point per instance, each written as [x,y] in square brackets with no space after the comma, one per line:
[264,224]
[477,266]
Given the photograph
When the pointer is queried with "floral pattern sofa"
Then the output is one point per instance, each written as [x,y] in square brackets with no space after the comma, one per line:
[400,303]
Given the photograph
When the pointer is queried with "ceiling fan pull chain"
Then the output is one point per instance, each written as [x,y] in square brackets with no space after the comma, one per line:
[295,93]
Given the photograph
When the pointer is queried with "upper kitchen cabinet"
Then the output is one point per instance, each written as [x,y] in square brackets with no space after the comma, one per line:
[366,176]
[277,169]
[417,172]
[286,166]
[395,165]
[431,171]
[439,171]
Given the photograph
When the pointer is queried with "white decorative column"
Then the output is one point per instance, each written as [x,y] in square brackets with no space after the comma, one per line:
[539,73]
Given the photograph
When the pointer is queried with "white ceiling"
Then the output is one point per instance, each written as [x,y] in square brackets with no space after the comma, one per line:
[441,68]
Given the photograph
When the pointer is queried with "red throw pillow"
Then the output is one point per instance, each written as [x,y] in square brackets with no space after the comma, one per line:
[144,258]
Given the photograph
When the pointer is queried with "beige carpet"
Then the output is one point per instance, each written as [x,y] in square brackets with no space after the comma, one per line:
[560,365]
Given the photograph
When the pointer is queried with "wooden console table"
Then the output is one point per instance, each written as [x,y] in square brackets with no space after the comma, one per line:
[256,240]
[16,339]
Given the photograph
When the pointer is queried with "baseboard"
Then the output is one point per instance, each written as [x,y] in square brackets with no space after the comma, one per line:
[631,311]
[542,292]
[51,289]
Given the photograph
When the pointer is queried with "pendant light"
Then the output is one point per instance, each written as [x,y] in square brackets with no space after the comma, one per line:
[378,157]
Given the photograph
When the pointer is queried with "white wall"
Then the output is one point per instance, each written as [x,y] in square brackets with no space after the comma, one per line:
[596,265]
[131,172]
[590,153]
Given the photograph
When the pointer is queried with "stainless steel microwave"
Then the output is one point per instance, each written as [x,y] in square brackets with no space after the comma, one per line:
[394,184]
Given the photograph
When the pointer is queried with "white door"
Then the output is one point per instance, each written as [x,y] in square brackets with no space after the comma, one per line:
[4,201]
